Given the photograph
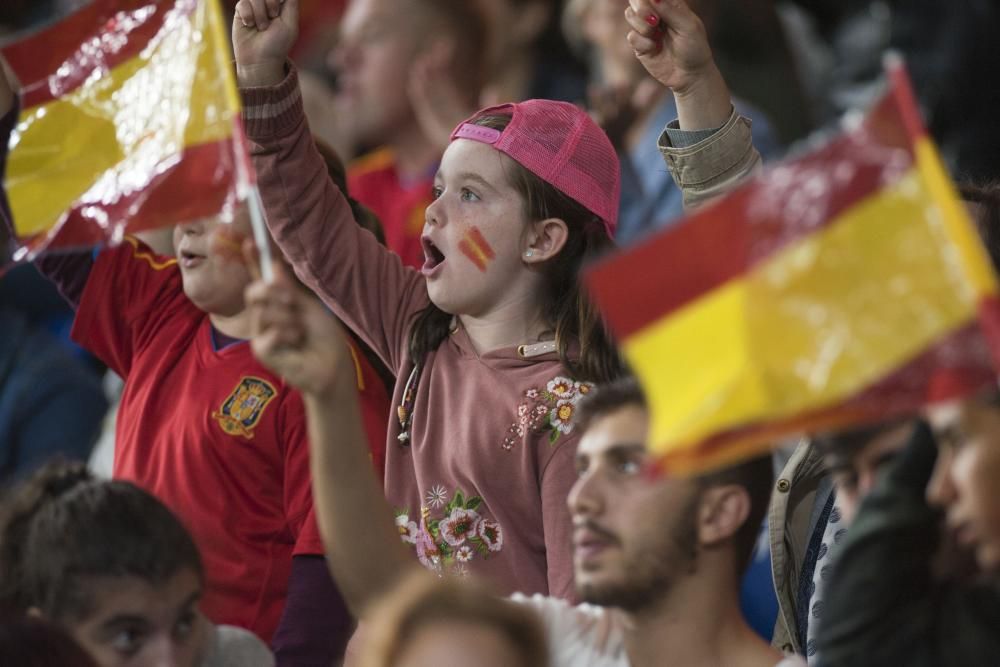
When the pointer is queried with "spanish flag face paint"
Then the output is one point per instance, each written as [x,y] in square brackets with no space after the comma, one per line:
[475,247]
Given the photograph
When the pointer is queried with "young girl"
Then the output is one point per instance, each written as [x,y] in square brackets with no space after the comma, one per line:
[110,565]
[493,344]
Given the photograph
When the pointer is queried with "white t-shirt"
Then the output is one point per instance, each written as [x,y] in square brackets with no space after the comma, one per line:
[585,635]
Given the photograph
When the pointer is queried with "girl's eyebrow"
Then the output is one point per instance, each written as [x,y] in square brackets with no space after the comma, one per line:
[470,176]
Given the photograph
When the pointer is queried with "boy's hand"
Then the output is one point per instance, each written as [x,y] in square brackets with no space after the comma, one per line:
[263,34]
[294,335]
[671,43]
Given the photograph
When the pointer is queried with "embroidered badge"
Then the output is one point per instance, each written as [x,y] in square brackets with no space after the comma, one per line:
[446,543]
[240,413]
[550,409]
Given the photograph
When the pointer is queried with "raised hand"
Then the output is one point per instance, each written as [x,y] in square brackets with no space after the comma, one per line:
[263,34]
[294,335]
[671,43]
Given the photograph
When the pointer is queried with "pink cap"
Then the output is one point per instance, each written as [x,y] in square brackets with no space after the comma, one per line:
[559,143]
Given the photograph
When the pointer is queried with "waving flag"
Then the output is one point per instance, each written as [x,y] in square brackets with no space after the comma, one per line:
[129,121]
[845,286]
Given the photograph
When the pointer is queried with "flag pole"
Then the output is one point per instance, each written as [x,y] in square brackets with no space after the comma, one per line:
[261,238]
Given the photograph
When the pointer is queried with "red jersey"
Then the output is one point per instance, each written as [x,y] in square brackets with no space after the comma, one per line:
[373,181]
[213,434]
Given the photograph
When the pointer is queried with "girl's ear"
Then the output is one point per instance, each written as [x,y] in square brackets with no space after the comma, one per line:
[545,240]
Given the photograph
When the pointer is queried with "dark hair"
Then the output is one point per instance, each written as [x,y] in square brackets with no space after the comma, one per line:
[567,308]
[31,642]
[607,398]
[755,475]
[845,443]
[987,196]
[62,526]
[422,599]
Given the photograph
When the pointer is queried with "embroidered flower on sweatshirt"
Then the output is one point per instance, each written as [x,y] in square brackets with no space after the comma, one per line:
[458,526]
[561,416]
[490,533]
[448,537]
[408,530]
[436,496]
[561,387]
[548,410]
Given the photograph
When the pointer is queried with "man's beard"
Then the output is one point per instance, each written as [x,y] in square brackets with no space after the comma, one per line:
[651,571]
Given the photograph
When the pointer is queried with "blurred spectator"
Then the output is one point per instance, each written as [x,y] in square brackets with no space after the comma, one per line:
[950,49]
[430,622]
[633,109]
[49,402]
[110,565]
[407,112]
[529,57]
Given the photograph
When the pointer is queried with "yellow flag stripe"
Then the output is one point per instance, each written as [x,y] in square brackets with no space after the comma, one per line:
[110,135]
[822,319]
[960,229]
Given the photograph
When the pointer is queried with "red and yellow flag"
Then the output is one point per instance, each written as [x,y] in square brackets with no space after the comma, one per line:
[129,121]
[845,286]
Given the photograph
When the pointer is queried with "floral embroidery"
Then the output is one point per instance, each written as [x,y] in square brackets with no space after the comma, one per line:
[562,417]
[408,530]
[436,496]
[458,526]
[444,544]
[490,534]
[561,387]
[550,409]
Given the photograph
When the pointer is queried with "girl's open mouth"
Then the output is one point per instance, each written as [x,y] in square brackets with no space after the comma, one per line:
[433,257]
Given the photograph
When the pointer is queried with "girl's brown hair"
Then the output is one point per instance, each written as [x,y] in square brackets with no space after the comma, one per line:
[567,308]
[422,600]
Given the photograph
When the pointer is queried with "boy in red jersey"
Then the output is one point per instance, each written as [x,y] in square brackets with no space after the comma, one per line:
[207,429]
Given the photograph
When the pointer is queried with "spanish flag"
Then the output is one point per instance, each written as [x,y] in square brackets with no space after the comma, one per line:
[129,121]
[842,287]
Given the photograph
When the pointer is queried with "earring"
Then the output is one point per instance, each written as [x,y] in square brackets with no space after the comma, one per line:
[529,252]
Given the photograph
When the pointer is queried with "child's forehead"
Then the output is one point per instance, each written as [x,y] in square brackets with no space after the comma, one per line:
[464,157]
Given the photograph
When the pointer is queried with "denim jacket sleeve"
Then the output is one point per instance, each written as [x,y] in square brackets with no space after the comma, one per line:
[715,163]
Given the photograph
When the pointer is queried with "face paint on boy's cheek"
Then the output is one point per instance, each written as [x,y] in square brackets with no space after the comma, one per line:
[227,244]
[475,247]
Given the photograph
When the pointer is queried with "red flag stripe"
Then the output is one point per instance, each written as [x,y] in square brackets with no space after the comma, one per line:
[101,35]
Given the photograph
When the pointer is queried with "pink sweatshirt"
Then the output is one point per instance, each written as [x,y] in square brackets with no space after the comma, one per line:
[481,487]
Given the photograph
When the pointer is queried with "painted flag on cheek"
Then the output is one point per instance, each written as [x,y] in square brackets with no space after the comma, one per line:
[842,287]
[129,121]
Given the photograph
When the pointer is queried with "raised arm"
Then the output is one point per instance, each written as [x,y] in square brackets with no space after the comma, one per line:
[362,282]
[708,150]
[297,338]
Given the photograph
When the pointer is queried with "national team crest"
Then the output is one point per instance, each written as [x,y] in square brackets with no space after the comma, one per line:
[240,412]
